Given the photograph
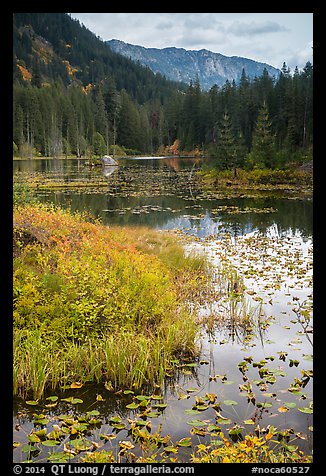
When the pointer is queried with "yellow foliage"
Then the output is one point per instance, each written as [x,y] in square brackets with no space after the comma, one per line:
[87,88]
[27,76]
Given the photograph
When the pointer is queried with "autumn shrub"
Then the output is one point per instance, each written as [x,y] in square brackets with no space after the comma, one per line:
[86,289]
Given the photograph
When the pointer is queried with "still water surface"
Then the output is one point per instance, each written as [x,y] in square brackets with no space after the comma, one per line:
[268,233]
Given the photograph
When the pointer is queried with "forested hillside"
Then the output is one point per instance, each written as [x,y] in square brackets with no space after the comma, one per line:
[74,96]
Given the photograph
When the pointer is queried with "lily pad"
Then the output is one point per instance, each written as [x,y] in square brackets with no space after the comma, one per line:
[230,402]
[132,406]
[50,443]
[31,402]
[72,400]
[305,410]
[184,442]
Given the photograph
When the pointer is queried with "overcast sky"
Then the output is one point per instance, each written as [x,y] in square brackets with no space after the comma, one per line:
[267,37]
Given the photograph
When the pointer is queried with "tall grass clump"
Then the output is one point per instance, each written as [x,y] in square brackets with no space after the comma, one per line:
[93,303]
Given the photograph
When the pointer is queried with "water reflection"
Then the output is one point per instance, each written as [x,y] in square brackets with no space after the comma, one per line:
[164,193]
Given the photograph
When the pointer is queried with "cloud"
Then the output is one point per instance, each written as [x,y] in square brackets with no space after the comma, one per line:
[164,25]
[300,56]
[238,28]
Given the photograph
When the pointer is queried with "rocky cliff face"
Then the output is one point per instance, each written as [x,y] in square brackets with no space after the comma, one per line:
[183,65]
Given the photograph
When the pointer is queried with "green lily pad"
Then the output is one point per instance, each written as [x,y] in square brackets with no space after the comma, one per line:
[72,400]
[230,402]
[196,423]
[50,443]
[159,405]
[264,405]
[132,406]
[31,402]
[52,398]
[305,410]
[185,442]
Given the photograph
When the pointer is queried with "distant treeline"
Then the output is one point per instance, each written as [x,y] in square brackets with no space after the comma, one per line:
[74,96]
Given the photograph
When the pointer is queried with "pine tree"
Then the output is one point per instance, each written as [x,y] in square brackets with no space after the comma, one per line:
[263,143]
[226,148]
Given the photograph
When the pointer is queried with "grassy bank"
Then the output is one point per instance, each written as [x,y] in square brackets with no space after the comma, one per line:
[258,179]
[93,303]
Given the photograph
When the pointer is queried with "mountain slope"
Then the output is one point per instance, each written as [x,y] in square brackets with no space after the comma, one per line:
[49,46]
[183,65]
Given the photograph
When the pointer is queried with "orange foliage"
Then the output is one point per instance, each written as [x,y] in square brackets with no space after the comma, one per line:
[27,76]
[87,88]
[71,70]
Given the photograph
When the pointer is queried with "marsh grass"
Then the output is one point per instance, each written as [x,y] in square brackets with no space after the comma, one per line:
[98,304]
[231,309]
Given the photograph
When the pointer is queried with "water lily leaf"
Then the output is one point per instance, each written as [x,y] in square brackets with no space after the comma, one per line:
[115,419]
[31,402]
[41,421]
[76,385]
[289,404]
[249,422]
[61,457]
[142,397]
[92,413]
[126,445]
[50,443]
[153,414]
[283,409]
[192,389]
[224,421]
[211,428]
[156,397]
[198,431]
[230,402]
[107,437]
[119,426]
[159,405]
[184,442]
[183,396]
[196,423]
[201,408]
[72,400]
[192,411]
[28,448]
[170,449]
[81,444]
[305,410]
[132,406]
[52,398]
[128,392]
[264,405]
[33,438]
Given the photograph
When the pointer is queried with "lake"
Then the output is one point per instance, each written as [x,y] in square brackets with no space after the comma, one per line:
[266,236]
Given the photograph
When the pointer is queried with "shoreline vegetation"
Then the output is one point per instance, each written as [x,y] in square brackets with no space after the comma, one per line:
[100,304]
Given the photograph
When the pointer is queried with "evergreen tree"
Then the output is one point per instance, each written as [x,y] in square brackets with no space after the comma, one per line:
[263,143]
[99,145]
[226,148]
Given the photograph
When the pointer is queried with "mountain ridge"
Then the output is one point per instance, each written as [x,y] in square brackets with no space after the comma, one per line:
[180,64]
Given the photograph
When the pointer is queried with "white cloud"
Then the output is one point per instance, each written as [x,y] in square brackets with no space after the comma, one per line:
[253,28]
